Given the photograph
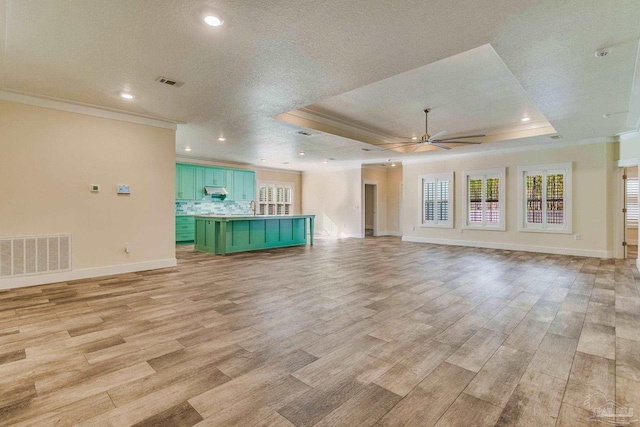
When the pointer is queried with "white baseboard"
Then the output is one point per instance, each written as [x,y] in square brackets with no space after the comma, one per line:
[513,247]
[356,236]
[85,273]
[638,264]
[389,233]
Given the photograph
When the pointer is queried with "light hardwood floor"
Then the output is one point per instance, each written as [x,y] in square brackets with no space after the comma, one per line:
[356,332]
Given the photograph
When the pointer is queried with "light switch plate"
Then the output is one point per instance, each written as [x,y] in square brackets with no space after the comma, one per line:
[123,189]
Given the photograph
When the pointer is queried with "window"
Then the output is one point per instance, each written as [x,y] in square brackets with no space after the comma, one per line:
[632,202]
[275,198]
[485,195]
[545,198]
[436,193]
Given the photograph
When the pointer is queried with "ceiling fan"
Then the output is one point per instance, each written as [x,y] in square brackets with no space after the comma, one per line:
[434,140]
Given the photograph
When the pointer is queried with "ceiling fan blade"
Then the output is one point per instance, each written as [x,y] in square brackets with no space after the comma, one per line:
[398,143]
[480,135]
[440,146]
[456,142]
[400,146]
[415,148]
[435,137]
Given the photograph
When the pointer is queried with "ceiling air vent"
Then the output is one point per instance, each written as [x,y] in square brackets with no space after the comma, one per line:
[556,137]
[304,133]
[170,82]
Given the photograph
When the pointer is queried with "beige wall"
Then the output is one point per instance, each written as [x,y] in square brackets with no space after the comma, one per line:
[593,176]
[269,175]
[394,196]
[335,198]
[49,159]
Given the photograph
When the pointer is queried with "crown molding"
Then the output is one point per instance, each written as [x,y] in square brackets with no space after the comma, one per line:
[86,109]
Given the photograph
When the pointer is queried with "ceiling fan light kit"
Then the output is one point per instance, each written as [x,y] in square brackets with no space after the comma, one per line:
[434,140]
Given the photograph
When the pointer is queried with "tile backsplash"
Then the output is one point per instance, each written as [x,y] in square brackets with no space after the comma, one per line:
[213,207]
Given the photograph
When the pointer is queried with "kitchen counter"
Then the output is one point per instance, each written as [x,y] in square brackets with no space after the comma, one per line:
[222,234]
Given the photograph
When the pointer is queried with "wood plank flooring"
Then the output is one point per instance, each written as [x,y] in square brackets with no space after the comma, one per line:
[356,332]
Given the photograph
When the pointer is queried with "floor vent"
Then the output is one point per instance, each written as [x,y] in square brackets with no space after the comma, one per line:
[22,256]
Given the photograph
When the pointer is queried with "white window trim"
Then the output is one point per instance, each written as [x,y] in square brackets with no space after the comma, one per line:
[501,173]
[436,177]
[523,226]
[275,184]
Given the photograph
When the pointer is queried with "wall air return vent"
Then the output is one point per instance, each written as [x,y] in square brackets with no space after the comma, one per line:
[170,82]
[23,256]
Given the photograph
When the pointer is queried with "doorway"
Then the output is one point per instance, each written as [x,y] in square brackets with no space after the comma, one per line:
[370,215]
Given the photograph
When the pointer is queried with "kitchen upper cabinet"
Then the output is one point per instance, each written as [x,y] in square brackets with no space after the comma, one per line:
[185,182]
[214,177]
[244,185]
[200,183]
[191,180]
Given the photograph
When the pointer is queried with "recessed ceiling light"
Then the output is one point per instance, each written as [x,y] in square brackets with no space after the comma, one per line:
[325,161]
[414,138]
[222,139]
[263,160]
[301,153]
[187,149]
[126,95]
[526,119]
[393,165]
[213,21]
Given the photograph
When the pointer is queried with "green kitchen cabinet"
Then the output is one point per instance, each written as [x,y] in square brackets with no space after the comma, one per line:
[229,184]
[214,177]
[219,177]
[185,182]
[191,180]
[244,185]
[185,229]
[200,182]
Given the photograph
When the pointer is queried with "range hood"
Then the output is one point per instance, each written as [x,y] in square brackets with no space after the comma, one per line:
[220,192]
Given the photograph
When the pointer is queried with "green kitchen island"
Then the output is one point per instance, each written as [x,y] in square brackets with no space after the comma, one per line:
[221,235]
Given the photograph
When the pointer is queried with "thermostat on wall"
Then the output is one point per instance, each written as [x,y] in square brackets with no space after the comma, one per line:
[95,188]
[123,189]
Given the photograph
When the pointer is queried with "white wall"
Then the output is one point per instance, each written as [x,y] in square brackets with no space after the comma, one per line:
[335,198]
[593,175]
[49,159]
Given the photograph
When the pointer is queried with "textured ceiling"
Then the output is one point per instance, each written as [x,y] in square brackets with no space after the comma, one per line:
[469,93]
[275,56]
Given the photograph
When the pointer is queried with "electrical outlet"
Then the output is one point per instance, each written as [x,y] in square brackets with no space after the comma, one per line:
[413,228]
[577,237]
[127,248]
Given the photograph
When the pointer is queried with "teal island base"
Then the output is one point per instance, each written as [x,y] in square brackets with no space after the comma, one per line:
[221,235]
